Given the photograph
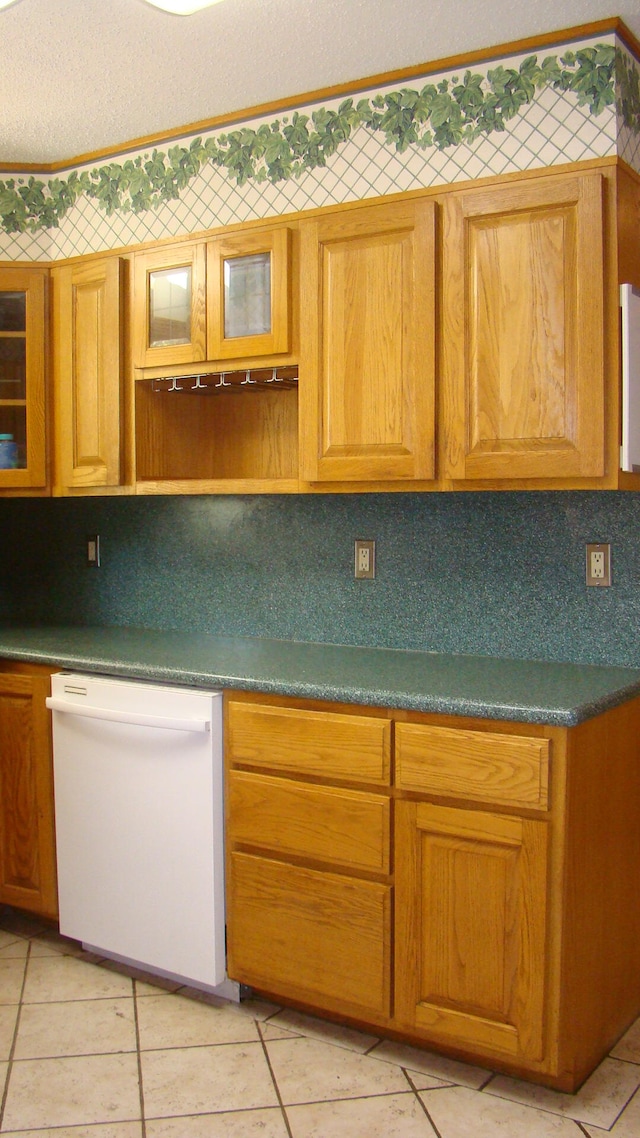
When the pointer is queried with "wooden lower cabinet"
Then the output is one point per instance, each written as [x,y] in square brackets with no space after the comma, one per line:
[309,895]
[471,927]
[27,830]
[482,899]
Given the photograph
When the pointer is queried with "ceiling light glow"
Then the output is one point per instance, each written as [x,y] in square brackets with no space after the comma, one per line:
[177,7]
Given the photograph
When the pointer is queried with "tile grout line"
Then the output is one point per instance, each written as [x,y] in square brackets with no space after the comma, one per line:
[14,1041]
[274,1080]
[627,1103]
[421,1104]
[489,1079]
[143,1123]
[486,1086]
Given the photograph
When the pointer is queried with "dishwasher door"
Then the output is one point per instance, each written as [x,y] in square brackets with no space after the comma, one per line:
[139,823]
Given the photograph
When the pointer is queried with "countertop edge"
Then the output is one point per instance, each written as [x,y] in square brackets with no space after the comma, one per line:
[369,695]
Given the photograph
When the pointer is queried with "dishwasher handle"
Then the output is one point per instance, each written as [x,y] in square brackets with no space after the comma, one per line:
[137,718]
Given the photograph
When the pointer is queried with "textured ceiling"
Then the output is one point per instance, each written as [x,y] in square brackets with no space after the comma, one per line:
[81,75]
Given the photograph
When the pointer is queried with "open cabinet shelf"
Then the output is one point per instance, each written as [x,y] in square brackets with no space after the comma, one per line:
[212,434]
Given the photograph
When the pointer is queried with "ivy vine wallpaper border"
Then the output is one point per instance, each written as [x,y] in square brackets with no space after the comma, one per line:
[627,72]
[440,114]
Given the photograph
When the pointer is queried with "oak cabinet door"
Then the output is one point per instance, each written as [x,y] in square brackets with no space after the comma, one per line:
[169,306]
[23,301]
[248,294]
[522,331]
[88,373]
[471,928]
[27,841]
[367,370]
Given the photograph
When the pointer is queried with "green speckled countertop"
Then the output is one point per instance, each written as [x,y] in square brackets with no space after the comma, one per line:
[530,691]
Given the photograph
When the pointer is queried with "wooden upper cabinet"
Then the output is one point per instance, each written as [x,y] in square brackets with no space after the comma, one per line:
[23,299]
[248,298]
[368,343]
[522,330]
[88,373]
[228,298]
[169,313]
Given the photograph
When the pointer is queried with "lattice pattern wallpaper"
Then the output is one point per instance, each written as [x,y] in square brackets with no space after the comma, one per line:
[566,104]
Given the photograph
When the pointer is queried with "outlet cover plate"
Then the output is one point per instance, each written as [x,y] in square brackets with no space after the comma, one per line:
[599,564]
[365,560]
[93,550]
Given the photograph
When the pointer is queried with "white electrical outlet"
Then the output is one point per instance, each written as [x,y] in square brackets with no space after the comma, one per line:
[365,559]
[599,564]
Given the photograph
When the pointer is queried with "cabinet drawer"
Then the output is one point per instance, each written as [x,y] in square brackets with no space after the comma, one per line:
[505,769]
[343,827]
[320,743]
[311,935]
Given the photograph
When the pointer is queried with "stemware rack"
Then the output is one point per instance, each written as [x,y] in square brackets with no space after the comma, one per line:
[211,383]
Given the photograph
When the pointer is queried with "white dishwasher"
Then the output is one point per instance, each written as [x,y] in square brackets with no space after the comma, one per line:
[139,823]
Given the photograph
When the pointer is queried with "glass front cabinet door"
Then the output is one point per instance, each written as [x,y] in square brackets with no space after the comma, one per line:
[22,378]
[248,294]
[170,312]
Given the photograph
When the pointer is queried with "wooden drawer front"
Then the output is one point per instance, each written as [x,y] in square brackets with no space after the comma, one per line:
[509,769]
[344,827]
[308,934]
[309,742]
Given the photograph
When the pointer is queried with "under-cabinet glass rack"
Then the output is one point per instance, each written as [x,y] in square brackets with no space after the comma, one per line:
[211,383]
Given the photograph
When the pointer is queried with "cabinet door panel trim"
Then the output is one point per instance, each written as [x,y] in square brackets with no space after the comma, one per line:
[471,927]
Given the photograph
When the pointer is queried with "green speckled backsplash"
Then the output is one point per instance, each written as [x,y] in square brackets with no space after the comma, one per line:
[495,574]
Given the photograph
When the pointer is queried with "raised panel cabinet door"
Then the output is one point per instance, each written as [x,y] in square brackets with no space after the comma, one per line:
[169,306]
[27,837]
[367,368]
[23,347]
[318,936]
[522,330]
[88,373]
[471,928]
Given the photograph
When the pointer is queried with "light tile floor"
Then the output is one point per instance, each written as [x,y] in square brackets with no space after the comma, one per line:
[88,1050]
